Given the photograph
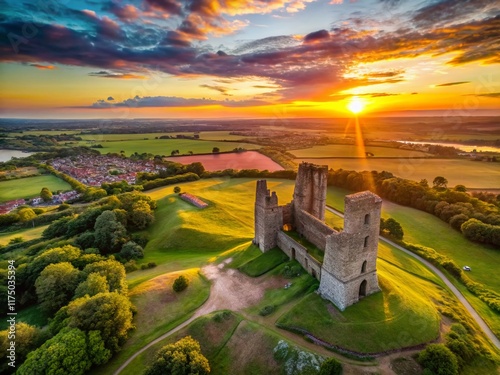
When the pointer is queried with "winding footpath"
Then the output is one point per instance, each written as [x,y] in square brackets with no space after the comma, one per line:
[448,283]
[225,293]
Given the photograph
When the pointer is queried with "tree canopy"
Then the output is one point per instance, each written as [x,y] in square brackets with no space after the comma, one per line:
[56,285]
[181,358]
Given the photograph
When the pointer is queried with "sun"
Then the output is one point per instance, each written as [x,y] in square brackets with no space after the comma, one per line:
[356,105]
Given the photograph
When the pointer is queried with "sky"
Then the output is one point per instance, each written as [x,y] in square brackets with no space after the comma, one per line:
[248,59]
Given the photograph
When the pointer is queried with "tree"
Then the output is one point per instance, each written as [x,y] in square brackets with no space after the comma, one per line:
[180,283]
[216,150]
[109,234]
[460,188]
[71,351]
[66,253]
[131,250]
[113,271]
[56,285]
[108,313]
[27,214]
[27,340]
[177,189]
[394,228]
[181,358]
[46,195]
[86,240]
[141,215]
[94,284]
[439,359]
[440,182]
[330,367]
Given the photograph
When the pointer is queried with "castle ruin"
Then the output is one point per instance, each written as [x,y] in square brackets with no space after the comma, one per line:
[345,263]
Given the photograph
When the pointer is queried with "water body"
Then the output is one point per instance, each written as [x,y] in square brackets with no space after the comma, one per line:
[6,155]
[242,160]
[466,148]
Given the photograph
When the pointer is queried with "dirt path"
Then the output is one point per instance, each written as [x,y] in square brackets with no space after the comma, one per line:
[230,290]
[488,332]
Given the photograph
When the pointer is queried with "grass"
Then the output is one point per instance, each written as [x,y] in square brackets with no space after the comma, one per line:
[401,315]
[32,315]
[30,187]
[456,171]
[26,234]
[353,151]
[264,262]
[300,286]
[311,248]
[166,146]
[210,135]
[159,309]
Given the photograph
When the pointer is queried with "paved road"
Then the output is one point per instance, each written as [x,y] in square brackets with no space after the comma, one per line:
[452,287]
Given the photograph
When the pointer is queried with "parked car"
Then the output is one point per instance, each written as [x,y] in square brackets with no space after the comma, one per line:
[466,268]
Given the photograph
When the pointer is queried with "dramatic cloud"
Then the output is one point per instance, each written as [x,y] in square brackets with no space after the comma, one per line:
[105,74]
[223,90]
[174,101]
[452,83]
[40,66]
[171,34]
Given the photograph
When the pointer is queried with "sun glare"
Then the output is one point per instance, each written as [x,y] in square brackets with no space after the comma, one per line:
[356,105]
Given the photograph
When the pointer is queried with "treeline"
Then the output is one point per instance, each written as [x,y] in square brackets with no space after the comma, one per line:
[476,219]
[280,156]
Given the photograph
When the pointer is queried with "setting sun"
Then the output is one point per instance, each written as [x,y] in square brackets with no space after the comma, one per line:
[356,105]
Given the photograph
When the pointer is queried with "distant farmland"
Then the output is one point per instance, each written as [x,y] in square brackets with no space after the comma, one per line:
[471,174]
[166,146]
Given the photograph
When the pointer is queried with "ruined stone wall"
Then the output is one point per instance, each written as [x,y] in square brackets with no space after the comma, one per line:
[344,294]
[313,229]
[294,250]
[288,214]
[310,189]
[268,217]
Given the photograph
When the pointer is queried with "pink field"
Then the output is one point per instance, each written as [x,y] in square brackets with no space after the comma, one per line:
[242,160]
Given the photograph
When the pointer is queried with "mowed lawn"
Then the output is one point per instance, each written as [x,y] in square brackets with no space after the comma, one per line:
[457,172]
[427,230]
[26,234]
[30,187]
[166,146]
[353,151]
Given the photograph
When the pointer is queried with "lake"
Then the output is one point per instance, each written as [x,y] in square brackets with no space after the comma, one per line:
[241,160]
[6,155]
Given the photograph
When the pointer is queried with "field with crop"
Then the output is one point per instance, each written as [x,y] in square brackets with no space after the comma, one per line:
[166,146]
[456,171]
[353,151]
[30,187]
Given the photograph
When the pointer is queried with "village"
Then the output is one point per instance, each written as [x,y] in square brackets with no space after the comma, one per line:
[91,170]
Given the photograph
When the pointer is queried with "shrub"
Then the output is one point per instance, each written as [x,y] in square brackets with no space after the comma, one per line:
[266,310]
[439,359]
[330,367]
[180,283]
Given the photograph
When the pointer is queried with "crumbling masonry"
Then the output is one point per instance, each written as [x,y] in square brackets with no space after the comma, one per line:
[348,271]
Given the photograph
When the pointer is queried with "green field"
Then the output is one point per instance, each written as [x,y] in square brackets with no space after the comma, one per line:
[26,234]
[166,146]
[456,171]
[353,151]
[210,135]
[30,187]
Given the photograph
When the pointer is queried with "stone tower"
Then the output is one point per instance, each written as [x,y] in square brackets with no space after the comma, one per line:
[268,217]
[310,189]
[349,266]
